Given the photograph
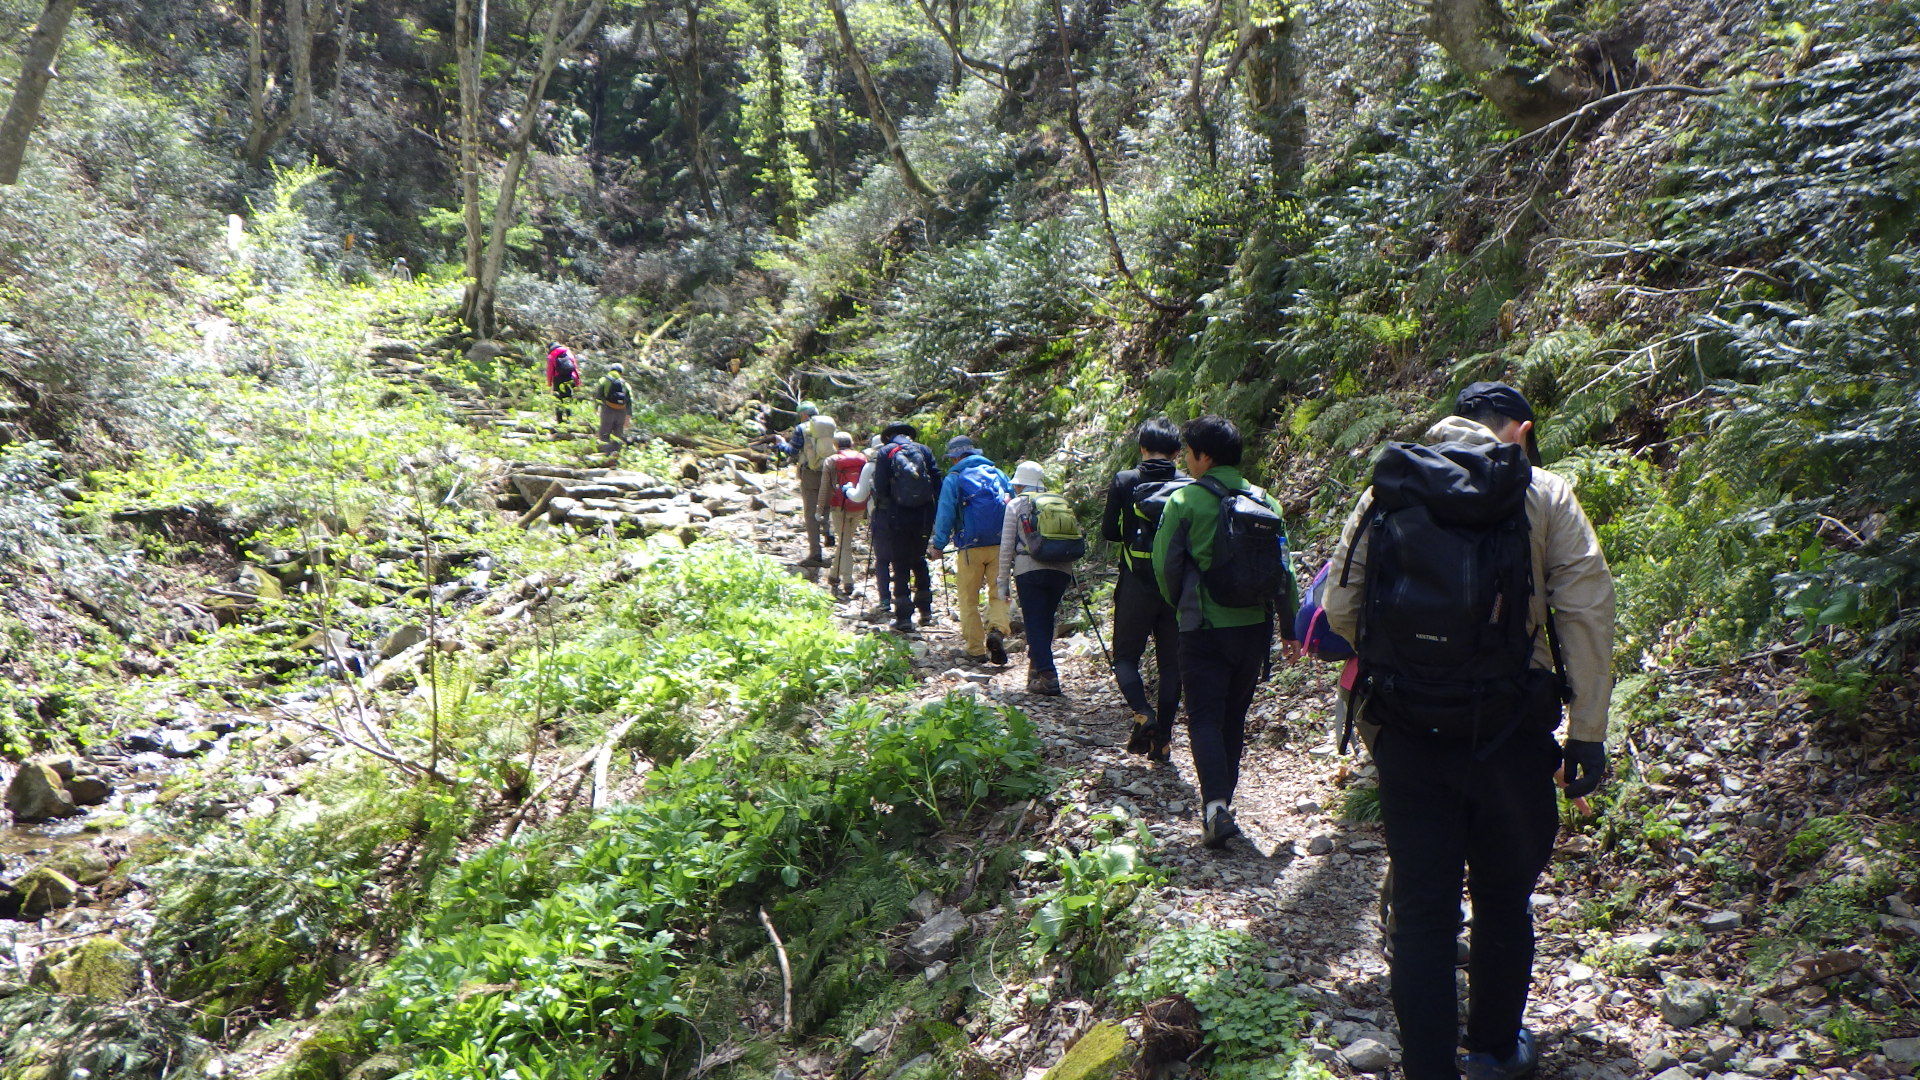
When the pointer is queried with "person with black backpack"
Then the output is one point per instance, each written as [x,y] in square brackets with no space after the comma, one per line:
[616,409]
[906,489]
[1039,542]
[563,379]
[1135,501]
[1220,555]
[1475,592]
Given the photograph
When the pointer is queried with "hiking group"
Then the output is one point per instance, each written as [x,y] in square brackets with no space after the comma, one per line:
[611,395]
[1467,600]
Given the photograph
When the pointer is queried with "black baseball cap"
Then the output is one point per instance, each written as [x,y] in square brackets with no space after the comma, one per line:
[887,433]
[1497,396]
[1506,401]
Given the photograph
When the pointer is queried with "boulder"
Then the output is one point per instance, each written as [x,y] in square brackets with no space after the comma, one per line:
[43,890]
[64,766]
[394,348]
[36,794]
[82,864]
[402,639]
[1101,1054]
[102,967]
[485,351]
[88,789]
[938,938]
[1367,1055]
[1721,921]
[1902,1051]
[1685,1003]
[687,468]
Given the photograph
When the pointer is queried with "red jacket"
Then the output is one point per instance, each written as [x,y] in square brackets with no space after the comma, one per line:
[553,365]
[844,468]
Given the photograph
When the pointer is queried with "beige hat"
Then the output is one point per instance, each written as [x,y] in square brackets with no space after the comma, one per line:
[1028,474]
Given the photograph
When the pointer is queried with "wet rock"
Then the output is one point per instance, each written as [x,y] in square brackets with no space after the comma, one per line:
[938,938]
[1685,1003]
[1367,1055]
[102,967]
[183,744]
[36,794]
[64,766]
[141,742]
[44,890]
[83,864]
[89,790]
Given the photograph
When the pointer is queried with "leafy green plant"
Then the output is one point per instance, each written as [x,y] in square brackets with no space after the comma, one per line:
[1253,1028]
[1096,886]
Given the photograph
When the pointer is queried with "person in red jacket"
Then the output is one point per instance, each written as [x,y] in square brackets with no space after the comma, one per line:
[840,473]
[563,378]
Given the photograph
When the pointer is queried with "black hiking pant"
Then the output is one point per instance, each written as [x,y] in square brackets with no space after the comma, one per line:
[1141,614]
[1221,666]
[881,539]
[906,546]
[1450,819]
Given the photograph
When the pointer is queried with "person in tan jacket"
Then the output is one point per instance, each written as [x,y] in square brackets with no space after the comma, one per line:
[1477,805]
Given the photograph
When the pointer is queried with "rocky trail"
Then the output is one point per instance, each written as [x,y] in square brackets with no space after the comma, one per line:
[1304,879]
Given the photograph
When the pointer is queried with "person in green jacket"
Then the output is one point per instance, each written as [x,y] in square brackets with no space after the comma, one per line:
[1223,650]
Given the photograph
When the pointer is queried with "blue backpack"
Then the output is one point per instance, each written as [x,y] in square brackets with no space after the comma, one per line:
[983,494]
[1310,627]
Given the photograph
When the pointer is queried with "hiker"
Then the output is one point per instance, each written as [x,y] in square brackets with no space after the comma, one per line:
[1135,501]
[905,485]
[1039,541]
[809,448]
[1443,579]
[400,270]
[973,502]
[616,409]
[838,476]
[1220,558]
[563,378]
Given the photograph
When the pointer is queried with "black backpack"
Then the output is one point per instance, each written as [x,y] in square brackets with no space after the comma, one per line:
[913,481]
[1444,646]
[1249,550]
[564,368]
[1140,522]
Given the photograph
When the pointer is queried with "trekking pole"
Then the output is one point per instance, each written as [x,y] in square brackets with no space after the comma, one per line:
[1087,606]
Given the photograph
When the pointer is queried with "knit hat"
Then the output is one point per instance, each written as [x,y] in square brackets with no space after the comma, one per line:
[808,408]
[891,431]
[615,369]
[1028,474]
[960,446]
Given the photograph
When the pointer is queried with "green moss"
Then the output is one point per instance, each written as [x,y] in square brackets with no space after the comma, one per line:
[1100,1054]
[102,967]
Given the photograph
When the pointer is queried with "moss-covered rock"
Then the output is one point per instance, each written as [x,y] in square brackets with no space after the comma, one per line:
[44,889]
[1100,1054]
[102,967]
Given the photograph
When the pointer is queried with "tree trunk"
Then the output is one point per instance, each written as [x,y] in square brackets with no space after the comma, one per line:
[469,46]
[1273,91]
[703,169]
[779,163]
[479,312]
[878,111]
[300,60]
[1480,38]
[30,89]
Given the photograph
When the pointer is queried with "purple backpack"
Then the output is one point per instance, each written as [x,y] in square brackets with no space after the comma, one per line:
[1316,638]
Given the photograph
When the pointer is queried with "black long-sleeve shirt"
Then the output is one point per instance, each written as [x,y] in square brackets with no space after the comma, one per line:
[1120,497]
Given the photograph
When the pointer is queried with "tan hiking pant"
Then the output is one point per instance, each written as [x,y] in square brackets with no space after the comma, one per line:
[980,566]
[810,508]
[845,523]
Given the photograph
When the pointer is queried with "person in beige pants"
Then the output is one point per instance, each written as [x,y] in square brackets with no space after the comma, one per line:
[837,477]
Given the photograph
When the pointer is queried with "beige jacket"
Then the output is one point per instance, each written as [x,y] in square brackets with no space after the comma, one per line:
[1569,572]
[1014,559]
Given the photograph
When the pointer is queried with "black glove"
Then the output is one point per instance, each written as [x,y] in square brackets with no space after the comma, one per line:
[1586,766]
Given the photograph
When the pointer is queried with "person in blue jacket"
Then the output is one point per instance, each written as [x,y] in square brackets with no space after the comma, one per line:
[973,506]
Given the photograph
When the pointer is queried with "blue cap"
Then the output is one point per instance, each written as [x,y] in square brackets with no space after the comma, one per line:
[960,446]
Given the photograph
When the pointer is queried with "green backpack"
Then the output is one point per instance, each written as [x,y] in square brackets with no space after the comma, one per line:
[1050,532]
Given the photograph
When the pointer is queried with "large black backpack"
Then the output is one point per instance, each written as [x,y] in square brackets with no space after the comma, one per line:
[1249,550]
[1140,521]
[1444,645]
[913,479]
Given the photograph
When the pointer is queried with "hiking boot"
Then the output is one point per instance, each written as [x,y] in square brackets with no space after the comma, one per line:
[1219,828]
[996,647]
[814,560]
[903,626]
[926,617]
[1044,683]
[1522,1062]
[1140,739]
[1161,752]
